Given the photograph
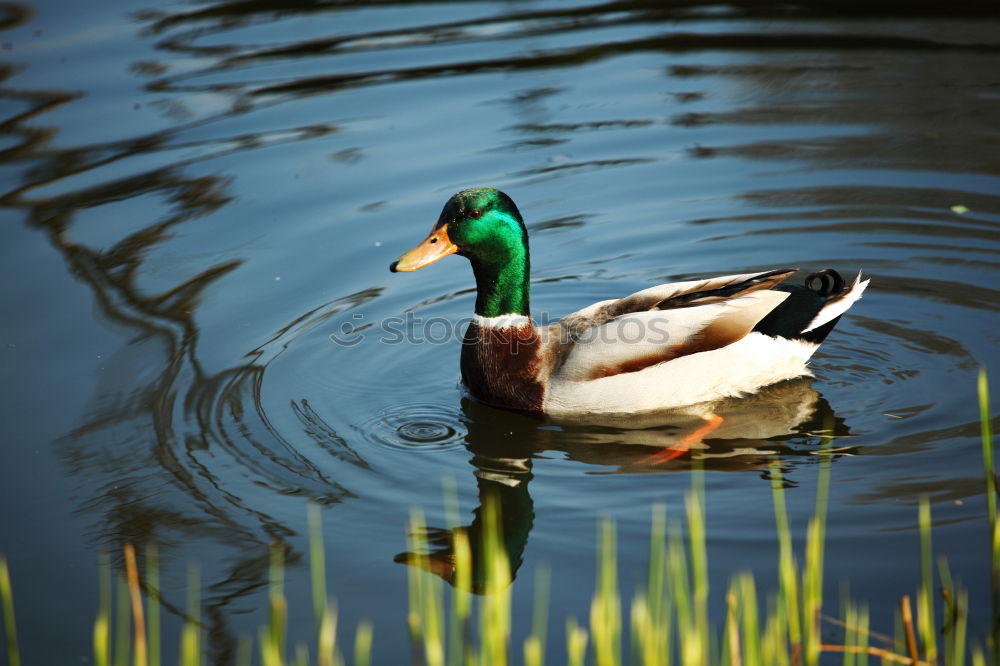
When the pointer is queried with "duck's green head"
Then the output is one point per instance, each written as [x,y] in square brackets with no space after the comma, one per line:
[484,225]
[481,223]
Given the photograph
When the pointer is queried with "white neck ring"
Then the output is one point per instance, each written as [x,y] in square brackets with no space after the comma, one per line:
[503,321]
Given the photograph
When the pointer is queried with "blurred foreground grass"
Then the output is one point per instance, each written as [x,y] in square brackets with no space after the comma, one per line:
[667,621]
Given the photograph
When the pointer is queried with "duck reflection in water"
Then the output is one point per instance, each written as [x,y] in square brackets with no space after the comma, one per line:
[783,420]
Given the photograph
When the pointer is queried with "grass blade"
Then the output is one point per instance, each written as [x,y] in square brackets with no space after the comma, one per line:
[787,568]
[993,641]
[135,596]
[122,622]
[576,643]
[605,609]
[317,562]
[153,603]
[277,617]
[699,572]
[812,583]
[925,603]
[751,625]
[987,436]
[326,641]
[10,627]
[191,633]
[534,645]
[363,644]
[733,652]
[911,638]
[495,610]
[102,623]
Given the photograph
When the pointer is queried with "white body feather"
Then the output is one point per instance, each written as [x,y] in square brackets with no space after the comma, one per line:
[751,361]
[638,335]
[742,367]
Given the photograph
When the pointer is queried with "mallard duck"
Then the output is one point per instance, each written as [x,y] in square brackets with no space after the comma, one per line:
[666,347]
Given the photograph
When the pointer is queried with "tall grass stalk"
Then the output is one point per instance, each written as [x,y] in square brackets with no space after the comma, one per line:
[426,605]
[135,599]
[534,644]
[855,648]
[680,585]
[812,578]
[956,616]
[324,609]
[459,626]
[605,609]
[153,603]
[732,652]
[9,625]
[326,636]
[102,624]
[495,611]
[191,632]
[576,643]
[650,612]
[363,637]
[695,506]
[122,645]
[317,562]
[925,600]
[273,637]
[985,424]
[750,625]
[788,599]
[461,599]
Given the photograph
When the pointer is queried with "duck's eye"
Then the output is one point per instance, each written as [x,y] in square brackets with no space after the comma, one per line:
[475,214]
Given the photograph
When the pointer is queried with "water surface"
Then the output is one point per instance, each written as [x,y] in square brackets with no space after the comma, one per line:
[201,335]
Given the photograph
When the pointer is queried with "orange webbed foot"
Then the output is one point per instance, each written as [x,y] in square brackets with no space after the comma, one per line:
[712,422]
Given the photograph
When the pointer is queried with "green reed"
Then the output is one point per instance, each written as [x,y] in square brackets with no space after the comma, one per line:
[191,653]
[993,640]
[925,601]
[7,602]
[666,621]
[605,608]
[153,603]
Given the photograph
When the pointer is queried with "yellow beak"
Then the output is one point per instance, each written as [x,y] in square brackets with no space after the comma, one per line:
[436,246]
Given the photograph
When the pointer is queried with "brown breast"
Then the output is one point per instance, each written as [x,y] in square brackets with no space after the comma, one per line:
[500,366]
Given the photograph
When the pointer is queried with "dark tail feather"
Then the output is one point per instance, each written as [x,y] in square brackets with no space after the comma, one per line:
[768,280]
[826,282]
[804,302]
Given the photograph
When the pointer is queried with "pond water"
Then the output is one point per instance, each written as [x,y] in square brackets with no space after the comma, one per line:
[201,335]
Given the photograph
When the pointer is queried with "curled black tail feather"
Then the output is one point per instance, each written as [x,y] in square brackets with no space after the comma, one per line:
[830,283]
[804,301]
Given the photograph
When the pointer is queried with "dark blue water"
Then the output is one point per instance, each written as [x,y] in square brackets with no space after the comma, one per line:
[200,200]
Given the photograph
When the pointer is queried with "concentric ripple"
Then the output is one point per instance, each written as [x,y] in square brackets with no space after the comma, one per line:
[425,427]
[425,432]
